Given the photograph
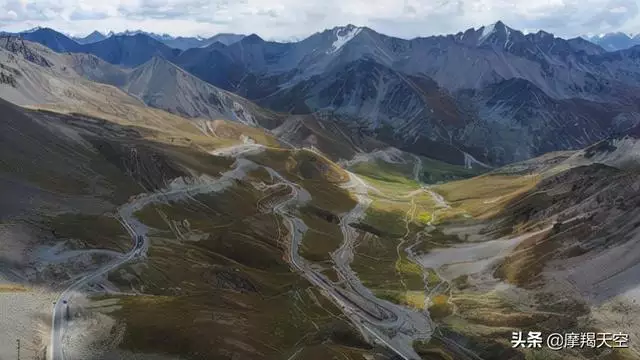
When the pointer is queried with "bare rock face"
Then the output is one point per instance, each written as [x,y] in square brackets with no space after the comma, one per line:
[493,92]
[18,47]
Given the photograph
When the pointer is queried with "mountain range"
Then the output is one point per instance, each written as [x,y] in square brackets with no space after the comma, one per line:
[615,41]
[178,42]
[494,93]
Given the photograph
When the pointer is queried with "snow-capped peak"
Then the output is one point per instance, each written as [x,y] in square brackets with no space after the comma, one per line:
[494,28]
[486,32]
[499,29]
[343,36]
[138,32]
[34,29]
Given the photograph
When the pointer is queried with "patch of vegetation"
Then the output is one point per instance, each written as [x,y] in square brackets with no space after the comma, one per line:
[383,171]
[236,325]
[484,196]
[7,288]
[391,189]
[525,265]
[377,264]
[448,344]
[461,282]
[440,307]
[233,285]
[423,217]
[84,231]
[433,279]
[412,299]
[435,171]
[400,209]
[436,239]
[387,217]
[432,350]
[406,267]
[315,173]
[323,235]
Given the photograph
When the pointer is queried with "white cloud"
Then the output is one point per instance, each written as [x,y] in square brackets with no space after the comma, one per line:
[284,19]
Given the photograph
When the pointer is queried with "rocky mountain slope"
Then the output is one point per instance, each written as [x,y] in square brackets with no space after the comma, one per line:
[469,78]
[35,74]
[162,84]
[77,82]
[44,76]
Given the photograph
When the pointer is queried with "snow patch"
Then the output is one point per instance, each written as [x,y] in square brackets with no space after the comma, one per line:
[470,161]
[343,36]
[508,33]
[486,32]
[32,30]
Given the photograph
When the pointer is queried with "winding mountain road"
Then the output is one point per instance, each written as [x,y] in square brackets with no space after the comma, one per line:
[178,189]
[390,325]
[60,309]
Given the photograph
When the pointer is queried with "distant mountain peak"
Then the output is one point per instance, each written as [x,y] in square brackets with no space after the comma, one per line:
[156,62]
[496,26]
[616,34]
[161,37]
[252,39]
[343,35]
[224,38]
[497,34]
[487,31]
[34,29]
[345,27]
[95,36]
[615,41]
[543,33]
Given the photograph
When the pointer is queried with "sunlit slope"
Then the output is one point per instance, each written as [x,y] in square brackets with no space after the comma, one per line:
[161,84]
[45,79]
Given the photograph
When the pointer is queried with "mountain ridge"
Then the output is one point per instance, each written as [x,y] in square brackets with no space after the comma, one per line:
[615,41]
[176,42]
[456,72]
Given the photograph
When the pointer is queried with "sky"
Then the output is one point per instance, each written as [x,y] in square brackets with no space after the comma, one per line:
[296,19]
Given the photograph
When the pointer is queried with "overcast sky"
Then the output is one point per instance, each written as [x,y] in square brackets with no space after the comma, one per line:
[290,19]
